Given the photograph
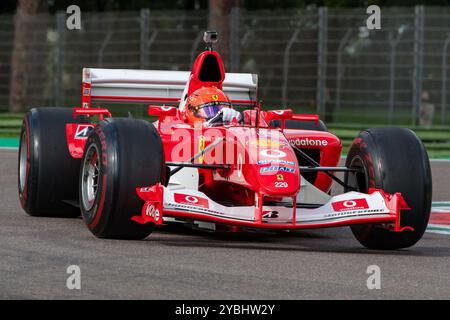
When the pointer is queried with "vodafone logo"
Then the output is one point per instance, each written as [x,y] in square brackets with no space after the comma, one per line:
[191,200]
[348,205]
[275,153]
[308,142]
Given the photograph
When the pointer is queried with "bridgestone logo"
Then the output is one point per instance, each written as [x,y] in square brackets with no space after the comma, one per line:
[308,142]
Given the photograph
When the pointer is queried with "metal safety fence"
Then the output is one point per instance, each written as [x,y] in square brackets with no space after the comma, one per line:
[322,60]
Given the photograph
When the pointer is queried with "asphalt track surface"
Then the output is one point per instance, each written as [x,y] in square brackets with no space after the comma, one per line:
[183,264]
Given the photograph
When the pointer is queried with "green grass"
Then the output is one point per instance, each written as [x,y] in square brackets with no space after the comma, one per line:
[10,123]
[13,116]
[436,139]
[11,132]
[426,136]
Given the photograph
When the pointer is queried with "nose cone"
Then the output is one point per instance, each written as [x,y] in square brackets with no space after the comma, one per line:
[277,171]
[273,164]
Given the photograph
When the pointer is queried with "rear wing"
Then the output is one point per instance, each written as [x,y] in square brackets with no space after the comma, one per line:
[156,86]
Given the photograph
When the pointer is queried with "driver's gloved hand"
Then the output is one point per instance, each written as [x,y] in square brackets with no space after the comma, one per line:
[229,114]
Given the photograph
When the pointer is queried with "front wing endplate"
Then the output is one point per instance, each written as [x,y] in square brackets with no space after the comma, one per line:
[341,210]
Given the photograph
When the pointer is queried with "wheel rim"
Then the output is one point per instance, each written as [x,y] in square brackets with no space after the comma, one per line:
[358,180]
[23,153]
[90,178]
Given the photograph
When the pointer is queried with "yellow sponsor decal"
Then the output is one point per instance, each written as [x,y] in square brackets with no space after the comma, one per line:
[215,97]
[280,177]
[265,143]
[201,148]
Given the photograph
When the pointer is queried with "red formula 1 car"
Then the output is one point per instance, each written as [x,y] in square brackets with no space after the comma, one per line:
[269,170]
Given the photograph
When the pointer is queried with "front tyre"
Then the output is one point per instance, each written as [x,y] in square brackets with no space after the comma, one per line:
[394,160]
[120,155]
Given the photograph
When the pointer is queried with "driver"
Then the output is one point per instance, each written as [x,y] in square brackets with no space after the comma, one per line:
[208,104]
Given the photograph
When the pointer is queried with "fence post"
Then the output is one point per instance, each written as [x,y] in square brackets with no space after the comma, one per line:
[418,62]
[195,45]
[144,30]
[59,59]
[286,67]
[322,29]
[340,69]
[393,43]
[444,79]
[235,45]
[103,47]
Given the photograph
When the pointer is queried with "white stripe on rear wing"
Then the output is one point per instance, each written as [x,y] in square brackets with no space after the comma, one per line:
[156,86]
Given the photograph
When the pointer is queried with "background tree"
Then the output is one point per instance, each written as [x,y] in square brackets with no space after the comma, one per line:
[30,33]
[218,19]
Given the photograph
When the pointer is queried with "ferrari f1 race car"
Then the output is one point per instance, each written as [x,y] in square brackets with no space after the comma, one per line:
[199,166]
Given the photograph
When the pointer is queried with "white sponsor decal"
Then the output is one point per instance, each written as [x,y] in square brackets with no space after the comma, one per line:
[191,199]
[270,214]
[151,211]
[83,131]
[349,204]
[308,142]
[279,161]
[281,184]
[276,168]
[239,165]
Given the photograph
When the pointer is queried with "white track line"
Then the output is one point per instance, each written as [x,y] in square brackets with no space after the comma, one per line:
[431,160]
[437,228]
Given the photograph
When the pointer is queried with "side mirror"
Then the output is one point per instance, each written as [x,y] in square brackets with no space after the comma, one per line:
[284,114]
[162,111]
[287,114]
[306,117]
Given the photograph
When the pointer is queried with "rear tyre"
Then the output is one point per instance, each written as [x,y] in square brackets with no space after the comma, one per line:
[48,175]
[120,155]
[394,160]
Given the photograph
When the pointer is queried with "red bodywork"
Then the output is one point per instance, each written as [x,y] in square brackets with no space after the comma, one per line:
[262,167]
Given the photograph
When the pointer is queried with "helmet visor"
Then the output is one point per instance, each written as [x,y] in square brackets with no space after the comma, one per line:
[208,110]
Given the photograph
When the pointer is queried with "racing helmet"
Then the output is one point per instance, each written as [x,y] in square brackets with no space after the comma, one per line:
[205,103]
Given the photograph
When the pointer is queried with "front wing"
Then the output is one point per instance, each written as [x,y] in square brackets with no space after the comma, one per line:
[345,209]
